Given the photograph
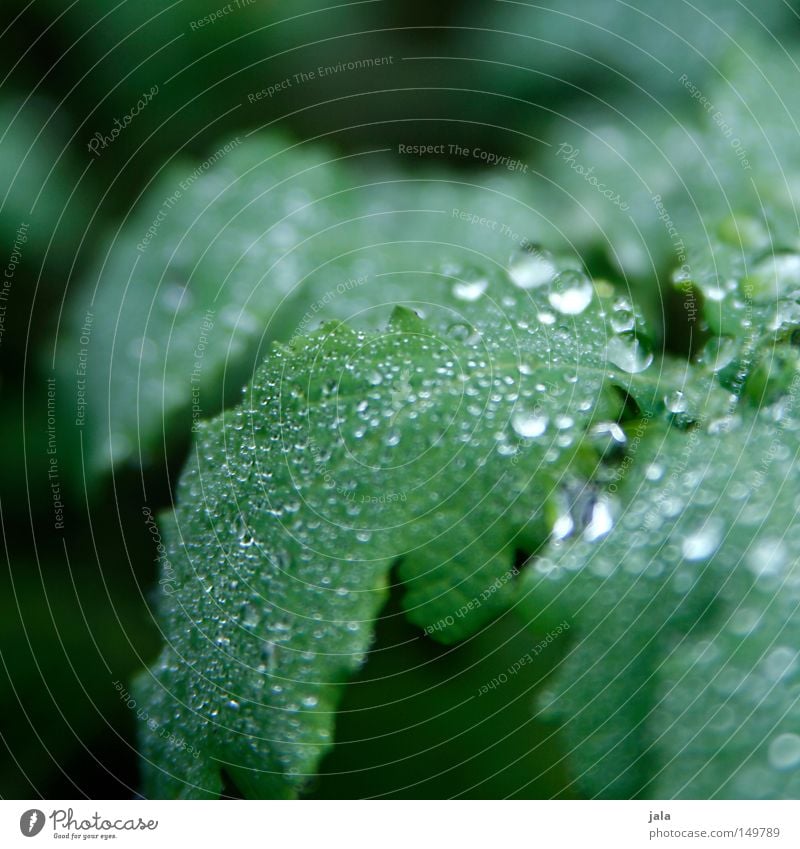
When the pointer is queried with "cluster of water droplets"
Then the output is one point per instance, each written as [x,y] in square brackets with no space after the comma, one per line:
[299,525]
[699,548]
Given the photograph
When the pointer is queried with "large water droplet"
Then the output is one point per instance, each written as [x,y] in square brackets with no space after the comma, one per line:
[601,522]
[719,352]
[622,319]
[531,267]
[654,472]
[611,429]
[574,298]
[528,425]
[676,402]
[767,557]
[176,297]
[563,526]
[470,290]
[463,332]
[702,543]
[628,353]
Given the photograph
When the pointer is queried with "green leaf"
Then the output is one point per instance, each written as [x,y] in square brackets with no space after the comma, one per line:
[259,242]
[441,443]
[179,300]
[682,681]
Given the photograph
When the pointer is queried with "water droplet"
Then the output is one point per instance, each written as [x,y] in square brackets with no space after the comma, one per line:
[470,290]
[787,314]
[622,319]
[546,318]
[780,663]
[654,472]
[714,293]
[767,557]
[722,425]
[575,295]
[460,330]
[744,621]
[143,349]
[719,352]
[611,429]
[676,402]
[784,751]
[628,353]
[531,267]
[702,543]
[251,617]
[563,526]
[392,438]
[310,701]
[528,425]
[601,522]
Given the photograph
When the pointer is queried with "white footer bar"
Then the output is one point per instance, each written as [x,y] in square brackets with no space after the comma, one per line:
[401,825]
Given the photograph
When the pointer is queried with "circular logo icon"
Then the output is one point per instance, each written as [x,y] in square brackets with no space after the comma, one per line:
[31,822]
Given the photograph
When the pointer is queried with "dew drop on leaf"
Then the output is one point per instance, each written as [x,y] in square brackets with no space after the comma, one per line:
[601,521]
[528,425]
[622,319]
[676,402]
[719,352]
[611,429]
[531,267]
[767,557]
[470,290]
[702,543]
[654,472]
[574,299]
[628,353]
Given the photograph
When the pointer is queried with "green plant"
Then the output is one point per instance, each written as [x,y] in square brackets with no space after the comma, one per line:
[435,442]
[503,415]
[452,427]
